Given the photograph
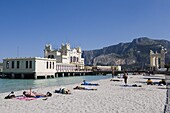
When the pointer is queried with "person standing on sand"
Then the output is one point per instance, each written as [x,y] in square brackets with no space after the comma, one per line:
[125,77]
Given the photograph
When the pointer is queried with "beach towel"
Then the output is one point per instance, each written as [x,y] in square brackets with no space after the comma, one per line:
[91,84]
[25,98]
[117,80]
[21,97]
[87,83]
[86,89]
[134,85]
[83,88]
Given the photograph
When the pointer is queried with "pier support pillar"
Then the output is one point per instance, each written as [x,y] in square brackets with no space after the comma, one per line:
[62,74]
[45,76]
[84,74]
[56,75]
[35,76]
[12,75]
[80,74]
[68,74]
[73,74]
[22,76]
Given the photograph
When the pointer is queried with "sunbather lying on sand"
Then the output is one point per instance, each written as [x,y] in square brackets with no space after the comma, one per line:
[115,80]
[83,88]
[149,82]
[10,96]
[135,85]
[35,94]
[63,91]
[87,83]
[162,82]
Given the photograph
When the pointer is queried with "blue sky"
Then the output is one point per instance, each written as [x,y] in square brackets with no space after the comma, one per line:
[27,25]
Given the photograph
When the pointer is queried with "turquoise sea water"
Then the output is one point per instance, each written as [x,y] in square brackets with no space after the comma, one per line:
[8,85]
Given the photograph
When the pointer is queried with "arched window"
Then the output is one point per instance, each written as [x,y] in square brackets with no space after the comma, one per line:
[74,59]
[71,59]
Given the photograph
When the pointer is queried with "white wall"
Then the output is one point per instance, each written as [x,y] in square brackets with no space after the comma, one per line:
[42,69]
[22,65]
[39,65]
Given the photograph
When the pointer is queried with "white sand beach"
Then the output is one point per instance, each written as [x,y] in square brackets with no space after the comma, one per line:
[110,97]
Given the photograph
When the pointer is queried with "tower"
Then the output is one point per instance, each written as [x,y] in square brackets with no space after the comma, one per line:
[47,49]
[65,48]
[162,54]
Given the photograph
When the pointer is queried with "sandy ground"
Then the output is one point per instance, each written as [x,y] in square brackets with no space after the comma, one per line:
[110,97]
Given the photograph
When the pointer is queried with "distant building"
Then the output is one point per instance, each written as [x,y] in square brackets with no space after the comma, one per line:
[29,67]
[67,59]
[107,68]
[157,60]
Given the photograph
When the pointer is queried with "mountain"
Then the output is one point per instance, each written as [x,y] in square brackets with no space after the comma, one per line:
[132,54]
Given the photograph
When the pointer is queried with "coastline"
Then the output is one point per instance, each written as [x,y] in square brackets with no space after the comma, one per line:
[110,97]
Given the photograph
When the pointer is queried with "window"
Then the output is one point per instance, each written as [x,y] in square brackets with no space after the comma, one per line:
[51,56]
[17,64]
[71,59]
[50,65]
[26,64]
[7,64]
[30,64]
[47,65]
[74,59]
[13,64]
[53,65]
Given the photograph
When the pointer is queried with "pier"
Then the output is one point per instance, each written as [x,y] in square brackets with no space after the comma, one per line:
[34,75]
[45,76]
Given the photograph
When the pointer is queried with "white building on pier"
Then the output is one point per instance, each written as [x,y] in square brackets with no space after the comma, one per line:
[61,60]
[29,67]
